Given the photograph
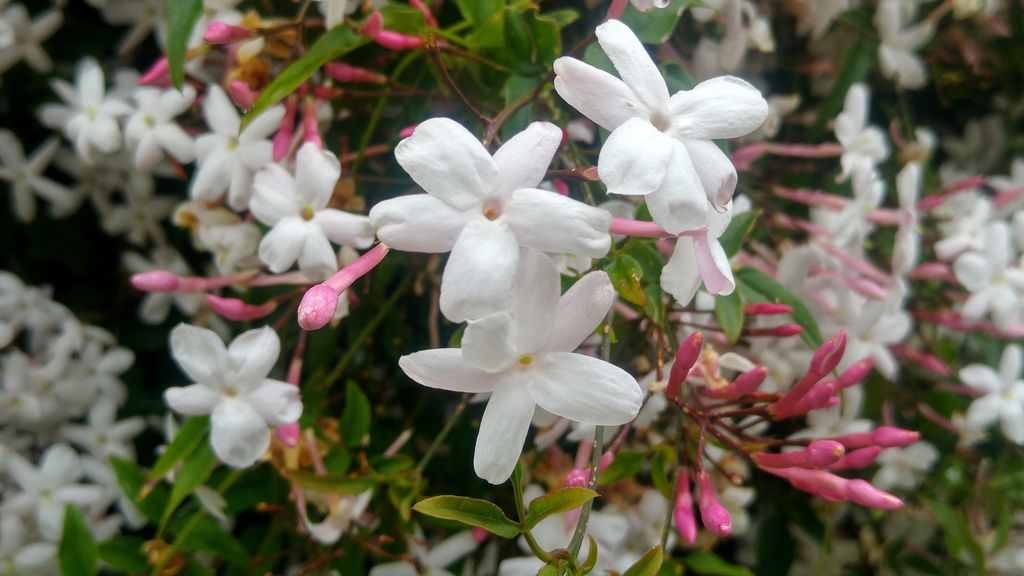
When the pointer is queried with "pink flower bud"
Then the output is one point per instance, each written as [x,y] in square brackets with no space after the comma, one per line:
[158,73]
[222,33]
[767,308]
[818,454]
[856,440]
[317,307]
[577,478]
[714,516]
[241,94]
[859,458]
[784,331]
[819,397]
[344,73]
[374,26]
[397,41]
[744,157]
[822,453]
[283,138]
[428,16]
[288,434]
[640,228]
[310,127]
[480,535]
[235,309]
[686,357]
[606,460]
[890,437]
[744,384]
[344,278]
[828,355]
[686,523]
[863,493]
[855,374]
[407,131]
[155,281]
[931,271]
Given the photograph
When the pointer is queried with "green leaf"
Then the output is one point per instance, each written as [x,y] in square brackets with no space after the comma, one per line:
[559,501]
[331,46]
[550,569]
[331,483]
[625,273]
[741,225]
[656,26]
[663,460]
[189,436]
[125,553]
[710,564]
[855,68]
[182,16]
[588,566]
[957,533]
[477,11]
[765,288]
[730,315]
[647,565]
[627,463]
[471,511]
[78,552]
[133,480]
[195,471]
[562,16]
[384,465]
[677,77]
[403,19]
[355,419]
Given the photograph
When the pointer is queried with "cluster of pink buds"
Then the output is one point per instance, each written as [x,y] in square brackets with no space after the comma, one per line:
[711,404]
[229,308]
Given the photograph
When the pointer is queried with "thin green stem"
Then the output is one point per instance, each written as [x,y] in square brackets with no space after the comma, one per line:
[581,525]
[459,409]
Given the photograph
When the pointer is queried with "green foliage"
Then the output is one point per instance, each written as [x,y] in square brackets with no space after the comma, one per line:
[737,231]
[191,434]
[182,16]
[648,564]
[557,502]
[78,553]
[194,472]
[626,273]
[730,314]
[469,511]
[355,420]
[759,287]
[710,564]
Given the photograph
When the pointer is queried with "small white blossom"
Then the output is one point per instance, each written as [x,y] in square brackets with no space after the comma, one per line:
[1002,397]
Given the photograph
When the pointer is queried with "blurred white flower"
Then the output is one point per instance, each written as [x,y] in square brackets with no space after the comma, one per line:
[25,176]
[1002,397]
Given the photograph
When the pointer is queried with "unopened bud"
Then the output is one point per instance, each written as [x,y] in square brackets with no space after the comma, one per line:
[288,434]
[855,374]
[241,94]
[577,478]
[157,73]
[686,522]
[767,308]
[859,458]
[821,453]
[714,516]
[784,331]
[828,355]
[686,357]
[222,33]
[155,281]
[317,307]
[235,309]
[863,493]
[890,437]
[344,73]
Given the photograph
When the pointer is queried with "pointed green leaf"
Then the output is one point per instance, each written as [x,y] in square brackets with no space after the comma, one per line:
[133,483]
[730,314]
[477,11]
[125,553]
[182,16]
[656,26]
[588,566]
[561,500]
[471,511]
[189,436]
[331,483]
[627,463]
[625,273]
[355,419]
[709,564]
[765,288]
[194,472]
[332,45]
[647,565]
[741,225]
[78,552]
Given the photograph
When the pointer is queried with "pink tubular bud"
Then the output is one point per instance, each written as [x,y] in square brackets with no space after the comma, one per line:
[821,396]
[714,516]
[155,281]
[577,478]
[373,26]
[222,33]
[283,138]
[344,73]
[407,131]
[767,308]
[857,440]
[744,384]
[818,454]
[357,269]
[686,357]
[890,437]
[863,493]
[310,127]
[931,271]
[241,94]
[855,374]
[828,355]
[744,157]
[317,307]
[397,41]
[817,482]
[822,453]
[235,309]
[480,535]
[428,16]
[157,73]
[859,458]
[606,460]
[288,434]
[686,523]
[784,331]
[627,227]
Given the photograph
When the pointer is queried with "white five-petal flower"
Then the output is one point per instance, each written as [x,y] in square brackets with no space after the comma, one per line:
[233,388]
[523,357]
[1002,394]
[151,130]
[661,145]
[25,175]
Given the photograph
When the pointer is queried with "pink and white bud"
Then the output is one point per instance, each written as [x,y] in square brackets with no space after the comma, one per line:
[288,434]
[241,94]
[863,493]
[855,374]
[155,281]
[713,515]
[157,74]
[223,33]
[310,126]
[235,309]
[577,478]
[318,307]
[686,522]
[828,355]
[686,357]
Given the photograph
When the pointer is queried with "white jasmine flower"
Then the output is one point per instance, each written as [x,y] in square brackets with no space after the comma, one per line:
[1003,394]
[228,159]
[681,278]
[524,358]
[25,176]
[864,146]
[434,558]
[233,388]
[87,117]
[144,16]
[897,53]
[103,435]
[233,245]
[25,36]
[907,247]
[157,305]
[21,554]
[904,467]
[151,130]
[992,278]
[19,400]
[661,147]
[141,215]
[302,225]
[483,210]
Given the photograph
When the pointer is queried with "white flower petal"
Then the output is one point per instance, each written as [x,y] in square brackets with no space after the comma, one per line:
[252,354]
[680,277]
[345,229]
[192,400]
[220,113]
[584,389]
[633,64]
[282,245]
[238,434]
[488,343]
[449,163]
[316,173]
[523,160]
[445,369]
[418,223]
[199,352]
[635,158]
[481,271]
[716,172]
[538,286]
[317,259]
[276,402]
[722,107]
[274,195]
[550,222]
[503,429]
[680,204]
[595,93]
[580,310]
